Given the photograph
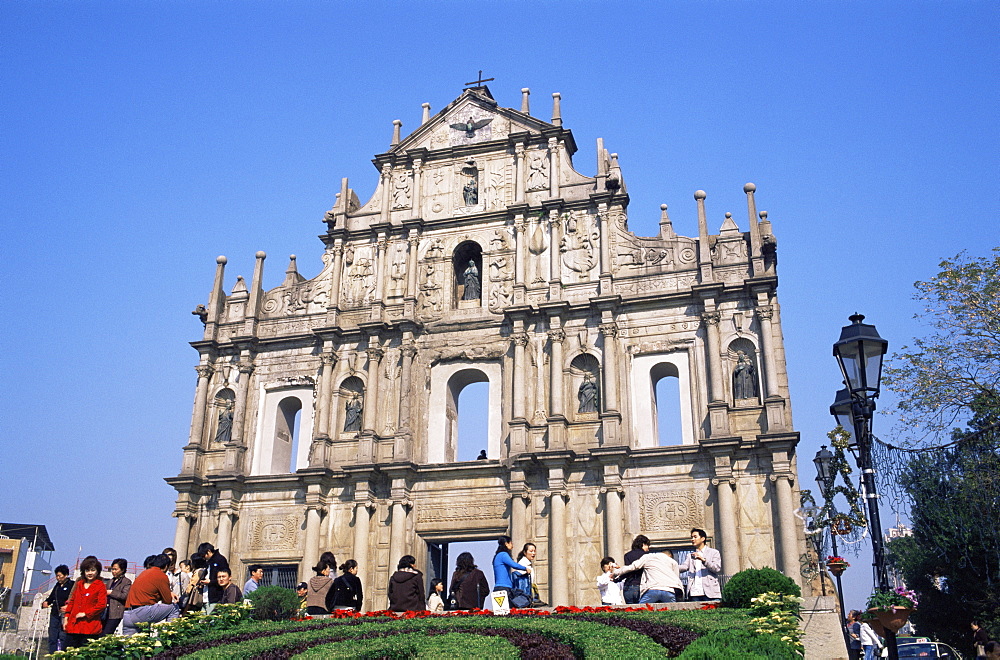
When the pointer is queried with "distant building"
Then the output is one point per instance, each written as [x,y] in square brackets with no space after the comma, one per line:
[898,532]
[25,561]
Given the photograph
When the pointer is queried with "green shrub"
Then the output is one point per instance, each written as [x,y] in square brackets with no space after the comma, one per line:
[752,582]
[738,645]
[274,603]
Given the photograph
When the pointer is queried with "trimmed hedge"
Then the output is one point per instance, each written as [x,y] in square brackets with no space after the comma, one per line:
[752,582]
[274,603]
[418,646]
[590,640]
[738,645]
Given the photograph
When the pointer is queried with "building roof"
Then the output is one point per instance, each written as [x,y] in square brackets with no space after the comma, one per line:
[37,535]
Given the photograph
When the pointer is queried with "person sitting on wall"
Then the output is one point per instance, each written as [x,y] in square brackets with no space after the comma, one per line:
[705,565]
[503,563]
[149,600]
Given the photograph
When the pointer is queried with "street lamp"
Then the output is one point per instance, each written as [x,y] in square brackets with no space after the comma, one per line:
[824,477]
[859,353]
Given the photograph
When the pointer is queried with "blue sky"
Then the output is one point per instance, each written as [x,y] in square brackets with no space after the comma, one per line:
[141,140]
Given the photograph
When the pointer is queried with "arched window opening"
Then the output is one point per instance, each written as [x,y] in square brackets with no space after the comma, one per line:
[667,401]
[585,374]
[744,370]
[352,396]
[223,406]
[468,412]
[467,263]
[283,456]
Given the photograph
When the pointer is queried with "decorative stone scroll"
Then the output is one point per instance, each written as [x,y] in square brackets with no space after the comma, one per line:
[671,511]
[461,512]
[271,533]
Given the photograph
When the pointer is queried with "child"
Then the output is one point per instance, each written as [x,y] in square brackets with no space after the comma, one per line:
[611,591]
[434,603]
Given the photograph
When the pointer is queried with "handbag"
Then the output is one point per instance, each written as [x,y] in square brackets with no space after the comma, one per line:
[519,599]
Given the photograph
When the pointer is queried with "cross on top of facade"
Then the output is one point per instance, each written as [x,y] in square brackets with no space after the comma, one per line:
[479,83]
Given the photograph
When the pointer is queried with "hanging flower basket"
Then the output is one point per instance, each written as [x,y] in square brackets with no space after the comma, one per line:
[837,565]
[892,619]
[871,618]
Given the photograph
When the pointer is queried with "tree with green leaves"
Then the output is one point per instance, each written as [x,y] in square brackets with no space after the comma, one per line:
[951,377]
[938,378]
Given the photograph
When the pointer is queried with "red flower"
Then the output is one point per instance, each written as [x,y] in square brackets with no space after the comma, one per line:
[709,606]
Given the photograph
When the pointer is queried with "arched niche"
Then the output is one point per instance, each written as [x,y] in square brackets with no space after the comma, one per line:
[447,382]
[284,430]
[467,265]
[223,405]
[744,372]
[351,405]
[647,372]
[585,386]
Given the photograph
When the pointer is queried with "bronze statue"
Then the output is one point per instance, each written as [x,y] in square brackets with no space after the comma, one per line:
[471,280]
[224,433]
[587,395]
[744,377]
[352,419]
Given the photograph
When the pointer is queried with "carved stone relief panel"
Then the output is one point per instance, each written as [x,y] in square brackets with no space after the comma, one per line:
[397,269]
[538,169]
[671,511]
[359,275]
[270,533]
[461,513]
[580,245]
[438,185]
[401,189]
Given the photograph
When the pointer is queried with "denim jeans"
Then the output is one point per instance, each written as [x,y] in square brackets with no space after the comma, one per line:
[871,652]
[658,596]
[631,593]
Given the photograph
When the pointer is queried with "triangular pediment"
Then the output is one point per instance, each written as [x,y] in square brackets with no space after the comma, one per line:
[472,118]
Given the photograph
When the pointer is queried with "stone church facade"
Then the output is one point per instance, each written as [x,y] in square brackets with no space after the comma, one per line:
[325,413]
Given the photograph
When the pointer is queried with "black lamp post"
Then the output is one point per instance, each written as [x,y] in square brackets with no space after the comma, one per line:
[824,478]
[859,353]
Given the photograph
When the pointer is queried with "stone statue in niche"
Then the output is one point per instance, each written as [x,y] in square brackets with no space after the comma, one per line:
[470,278]
[224,433]
[744,377]
[352,418]
[397,269]
[470,191]
[587,394]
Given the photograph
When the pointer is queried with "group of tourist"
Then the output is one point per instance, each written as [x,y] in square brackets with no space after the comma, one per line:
[166,588]
[865,644]
[655,577]
[91,606]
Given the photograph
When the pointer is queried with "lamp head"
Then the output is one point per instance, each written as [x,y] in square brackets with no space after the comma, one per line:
[859,353]
[824,468]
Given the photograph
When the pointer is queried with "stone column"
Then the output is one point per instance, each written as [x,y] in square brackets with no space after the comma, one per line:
[519,516]
[397,532]
[311,555]
[369,414]
[328,361]
[183,534]
[519,226]
[714,354]
[728,531]
[362,522]
[236,446]
[197,436]
[380,246]
[553,169]
[409,351]
[556,338]
[610,355]
[338,271]
[555,272]
[225,532]
[415,199]
[786,526]
[613,517]
[558,566]
[604,227]
[764,313]
[519,175]
[386,183]
[411,265]
[520,368]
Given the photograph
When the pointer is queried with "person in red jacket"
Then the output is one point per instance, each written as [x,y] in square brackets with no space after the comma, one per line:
[86,605]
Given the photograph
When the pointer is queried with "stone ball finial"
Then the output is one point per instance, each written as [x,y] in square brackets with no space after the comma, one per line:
[556,95]
[221,260]
[291,257]
[728,215]
[700,194]
[425,105]
[763,215]
[261,254]
[663,207]
[749,188]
